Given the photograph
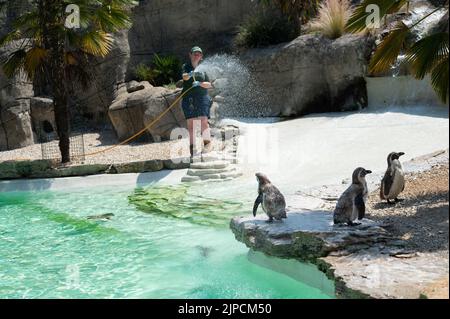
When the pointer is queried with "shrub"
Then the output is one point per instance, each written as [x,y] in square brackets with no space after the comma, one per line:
[332,18]
[167,69]
[264,28]
[163,70]
[142,72]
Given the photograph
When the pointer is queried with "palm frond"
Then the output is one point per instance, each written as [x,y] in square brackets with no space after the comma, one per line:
[439,79]
[426,53]
[14,62]
[28,19]
[358,20]
[9,37]
[97,43]
[34,59]
[111,19]
[388,50]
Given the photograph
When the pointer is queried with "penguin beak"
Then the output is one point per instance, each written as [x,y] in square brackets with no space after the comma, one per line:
[368,172]
[400,154]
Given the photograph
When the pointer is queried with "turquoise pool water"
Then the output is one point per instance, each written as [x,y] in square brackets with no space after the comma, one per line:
[49,249]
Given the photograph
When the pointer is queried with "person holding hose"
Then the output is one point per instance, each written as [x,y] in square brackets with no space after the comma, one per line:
[196,103]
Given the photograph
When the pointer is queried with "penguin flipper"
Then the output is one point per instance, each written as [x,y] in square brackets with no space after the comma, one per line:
[360,206]
[257,202]
[387,181]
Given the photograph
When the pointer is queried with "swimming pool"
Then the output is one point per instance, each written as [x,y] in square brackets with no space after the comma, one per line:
[49,249]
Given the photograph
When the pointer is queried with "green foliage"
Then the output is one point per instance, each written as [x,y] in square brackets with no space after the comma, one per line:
[163,70]
[167,69]
[264,28]
[142,72]
[332,18]
[427,56]
[357,21]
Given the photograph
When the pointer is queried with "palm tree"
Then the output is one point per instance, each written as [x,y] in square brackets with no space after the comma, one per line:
[48,50]
[298,10]
[427,56]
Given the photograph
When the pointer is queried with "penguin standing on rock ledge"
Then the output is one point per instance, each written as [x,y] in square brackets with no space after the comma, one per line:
[351,205]
[393,182]
[271,199]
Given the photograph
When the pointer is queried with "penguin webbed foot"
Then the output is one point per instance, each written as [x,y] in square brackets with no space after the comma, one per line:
[353,224]
[398,200]
[270,220]
[389,202]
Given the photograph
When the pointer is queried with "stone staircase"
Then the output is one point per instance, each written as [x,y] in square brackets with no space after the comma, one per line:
[219,164]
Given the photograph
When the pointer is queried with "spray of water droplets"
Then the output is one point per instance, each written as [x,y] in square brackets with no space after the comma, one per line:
[233,81]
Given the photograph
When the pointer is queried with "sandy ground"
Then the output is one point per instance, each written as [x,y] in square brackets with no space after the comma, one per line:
[101,142]
[421,219]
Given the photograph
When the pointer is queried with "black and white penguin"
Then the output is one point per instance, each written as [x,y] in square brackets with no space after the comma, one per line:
[271,199]
[352,203]
[393,182]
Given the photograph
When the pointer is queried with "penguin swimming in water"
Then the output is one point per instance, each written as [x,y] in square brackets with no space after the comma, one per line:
[270,198]
[393,182]
[352,203]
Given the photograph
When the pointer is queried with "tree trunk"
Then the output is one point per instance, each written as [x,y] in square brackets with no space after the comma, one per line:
[61,109]
[52,13]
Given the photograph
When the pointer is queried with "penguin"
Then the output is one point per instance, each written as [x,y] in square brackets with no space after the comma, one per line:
[270,198]
[352,203]
[106,216]
[393,182]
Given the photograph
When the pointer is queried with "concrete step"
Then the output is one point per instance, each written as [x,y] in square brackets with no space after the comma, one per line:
[210,165]
[189,179]
[205,171]
[210,176]
[234,174]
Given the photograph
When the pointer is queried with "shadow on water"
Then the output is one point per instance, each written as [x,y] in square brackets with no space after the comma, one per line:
[305,273]
[83,182]
[25,185]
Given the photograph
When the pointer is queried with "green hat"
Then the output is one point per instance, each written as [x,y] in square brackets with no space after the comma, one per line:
[196,49]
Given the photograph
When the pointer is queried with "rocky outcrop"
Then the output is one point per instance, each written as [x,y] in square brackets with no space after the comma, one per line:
[365,261]
[171,26]
[15,122]
[306,235]
[43,116]
[312,74]
[132,112]
[107,78]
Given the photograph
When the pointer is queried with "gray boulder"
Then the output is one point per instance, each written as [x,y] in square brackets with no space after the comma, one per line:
[15,122]
[173,26]
[42,116]
[312,74]
[108,77]
[131,112]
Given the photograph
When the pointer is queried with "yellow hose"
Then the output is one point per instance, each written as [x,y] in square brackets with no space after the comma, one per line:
[144,129]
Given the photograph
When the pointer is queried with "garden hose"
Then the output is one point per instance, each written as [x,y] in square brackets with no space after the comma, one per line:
[145,128]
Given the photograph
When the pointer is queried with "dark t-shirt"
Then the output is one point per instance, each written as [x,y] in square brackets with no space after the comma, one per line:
[199,76]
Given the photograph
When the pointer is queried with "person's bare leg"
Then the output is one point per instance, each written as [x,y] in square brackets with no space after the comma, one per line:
[190,125]
[206,133]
